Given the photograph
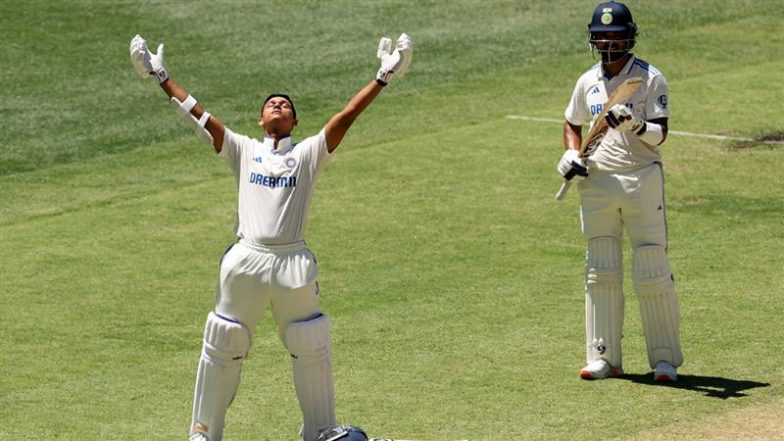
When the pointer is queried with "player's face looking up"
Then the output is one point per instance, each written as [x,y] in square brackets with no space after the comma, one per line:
[277,116]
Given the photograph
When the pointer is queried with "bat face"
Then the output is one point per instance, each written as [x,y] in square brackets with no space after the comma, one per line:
[622,94]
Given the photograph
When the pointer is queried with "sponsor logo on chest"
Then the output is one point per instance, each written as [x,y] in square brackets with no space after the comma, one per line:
[272,171]
[272,181]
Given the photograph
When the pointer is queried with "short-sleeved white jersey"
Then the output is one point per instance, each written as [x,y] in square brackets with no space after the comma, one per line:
[619,151]
[274,185]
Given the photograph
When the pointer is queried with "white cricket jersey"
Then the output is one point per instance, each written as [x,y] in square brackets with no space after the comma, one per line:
[619,151]
[274,185]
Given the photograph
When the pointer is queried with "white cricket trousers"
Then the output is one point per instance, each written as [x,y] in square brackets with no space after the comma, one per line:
[634,200]
[252,277]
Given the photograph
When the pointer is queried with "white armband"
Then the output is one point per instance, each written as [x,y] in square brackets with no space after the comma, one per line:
[651,133]
[201,130]
[184,109]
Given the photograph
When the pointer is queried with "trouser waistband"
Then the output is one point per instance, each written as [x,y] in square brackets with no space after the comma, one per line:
[273,248]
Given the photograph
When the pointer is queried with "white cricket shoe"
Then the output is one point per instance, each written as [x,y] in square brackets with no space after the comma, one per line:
[598,369]
[665,372]
[198,436]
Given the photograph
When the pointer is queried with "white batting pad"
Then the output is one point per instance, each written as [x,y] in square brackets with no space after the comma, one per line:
[226,344]
[604,301]
[311,358]
[659,308]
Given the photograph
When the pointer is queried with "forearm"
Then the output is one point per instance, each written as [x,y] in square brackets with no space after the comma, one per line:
[174,90]
[213,125]
[337,127]
[360,101]
[572,136]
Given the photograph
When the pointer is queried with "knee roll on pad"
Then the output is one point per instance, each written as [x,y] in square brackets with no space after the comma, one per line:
[225,341]
[659,307]
[603,263]
[604,301]
[226,344]
[651,270]
[309,343]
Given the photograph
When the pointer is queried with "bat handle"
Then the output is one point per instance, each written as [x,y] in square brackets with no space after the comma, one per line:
[562,191]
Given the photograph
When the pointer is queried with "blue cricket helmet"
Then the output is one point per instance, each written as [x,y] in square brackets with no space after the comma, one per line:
[343,433]
[612,17]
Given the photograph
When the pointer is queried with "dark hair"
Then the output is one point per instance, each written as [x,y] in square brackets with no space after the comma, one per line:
[281,95]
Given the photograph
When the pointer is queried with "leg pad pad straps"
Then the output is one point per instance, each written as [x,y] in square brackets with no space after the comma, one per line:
[604,300]
[309,343]
[226,344]
[659,307]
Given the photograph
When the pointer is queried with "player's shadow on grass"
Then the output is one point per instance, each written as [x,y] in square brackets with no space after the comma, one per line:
[716,387]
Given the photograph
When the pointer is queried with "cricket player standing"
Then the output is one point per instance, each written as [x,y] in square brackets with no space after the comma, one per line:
[621,185]
[270,263]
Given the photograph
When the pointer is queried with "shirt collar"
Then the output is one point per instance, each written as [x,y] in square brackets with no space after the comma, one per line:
[284,144]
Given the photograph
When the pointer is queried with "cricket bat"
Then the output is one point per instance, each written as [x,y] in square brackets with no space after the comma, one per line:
[591,142]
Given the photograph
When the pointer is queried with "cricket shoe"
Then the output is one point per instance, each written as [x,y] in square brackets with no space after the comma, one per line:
[198,436]
[598,369]
[665,372]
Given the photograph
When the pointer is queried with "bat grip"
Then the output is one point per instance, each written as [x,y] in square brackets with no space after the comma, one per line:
[562,191]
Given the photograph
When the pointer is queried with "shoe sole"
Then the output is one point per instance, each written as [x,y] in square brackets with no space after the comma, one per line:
[587,375]
[664,378]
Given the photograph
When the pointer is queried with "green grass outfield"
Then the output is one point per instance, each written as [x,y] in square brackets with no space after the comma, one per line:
[452,277]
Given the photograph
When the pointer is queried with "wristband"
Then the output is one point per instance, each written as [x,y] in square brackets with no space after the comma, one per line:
[382,77]
[161,75]
[651,133]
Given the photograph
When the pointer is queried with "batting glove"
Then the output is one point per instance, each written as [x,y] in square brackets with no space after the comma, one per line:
[393,63]
[621,118]
[571,166]
[146,63]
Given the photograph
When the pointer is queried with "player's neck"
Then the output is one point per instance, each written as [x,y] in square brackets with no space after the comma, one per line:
[613,68]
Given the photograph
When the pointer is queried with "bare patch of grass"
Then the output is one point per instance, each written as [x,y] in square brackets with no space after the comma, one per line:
[772,140]
[759,422]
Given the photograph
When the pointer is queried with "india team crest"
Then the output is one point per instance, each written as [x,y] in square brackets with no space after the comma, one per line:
[607,17]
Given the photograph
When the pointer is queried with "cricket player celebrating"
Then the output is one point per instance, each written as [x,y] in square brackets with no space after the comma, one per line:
[621,185]
[270,263]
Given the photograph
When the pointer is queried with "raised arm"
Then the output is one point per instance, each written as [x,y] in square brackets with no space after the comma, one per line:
[393,64]
[339,124]
[149,65]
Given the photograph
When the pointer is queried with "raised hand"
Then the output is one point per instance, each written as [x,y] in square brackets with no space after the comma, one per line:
[145,62]
[394,63]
